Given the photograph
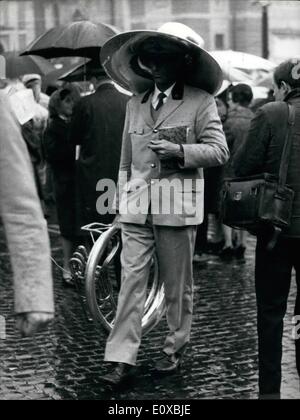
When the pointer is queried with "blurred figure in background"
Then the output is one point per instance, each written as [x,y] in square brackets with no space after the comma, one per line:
[258,103]
[237,128]
[34,82]
[96,129]
[213,182]
[60,154]
[33,132]
[25,228]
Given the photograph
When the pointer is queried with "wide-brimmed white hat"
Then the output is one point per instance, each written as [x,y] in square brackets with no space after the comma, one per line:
[120,58]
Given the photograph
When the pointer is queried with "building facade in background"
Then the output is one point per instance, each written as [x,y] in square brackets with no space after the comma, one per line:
[223,24]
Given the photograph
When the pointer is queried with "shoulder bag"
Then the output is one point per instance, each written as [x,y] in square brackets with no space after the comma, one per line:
[261,202]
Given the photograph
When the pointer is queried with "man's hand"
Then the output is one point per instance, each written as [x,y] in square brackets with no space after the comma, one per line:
[166,149]
[32,322]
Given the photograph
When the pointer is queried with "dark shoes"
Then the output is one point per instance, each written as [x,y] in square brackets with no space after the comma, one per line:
[120,373]
[240,252]
[215,247]
[168,363]
[200,260]
[228,253]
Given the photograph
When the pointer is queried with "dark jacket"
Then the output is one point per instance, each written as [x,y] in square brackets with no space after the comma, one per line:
[60,154]
[264,145]
[58,150]
[97,127]
[236,129]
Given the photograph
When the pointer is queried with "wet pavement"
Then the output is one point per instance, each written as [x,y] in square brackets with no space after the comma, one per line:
[221,362]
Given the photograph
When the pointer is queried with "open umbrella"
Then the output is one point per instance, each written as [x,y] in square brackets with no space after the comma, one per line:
[243,61]
[266,81]
[82,71]
[54,77]
[76,39]
[234,75]
[16,66]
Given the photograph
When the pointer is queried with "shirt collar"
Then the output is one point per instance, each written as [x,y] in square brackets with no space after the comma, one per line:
[177,92]
[156,92]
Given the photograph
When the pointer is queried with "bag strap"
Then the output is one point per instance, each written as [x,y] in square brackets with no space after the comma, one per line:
[284,163]
[286,152]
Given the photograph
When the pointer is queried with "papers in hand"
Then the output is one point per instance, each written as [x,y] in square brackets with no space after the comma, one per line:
[176,135]
[23,105]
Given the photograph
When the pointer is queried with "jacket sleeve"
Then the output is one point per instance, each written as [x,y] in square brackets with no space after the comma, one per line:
[211,147]
[125,160]
[57,146]
[250,157]
[80,122]
[32,141]
[24,224]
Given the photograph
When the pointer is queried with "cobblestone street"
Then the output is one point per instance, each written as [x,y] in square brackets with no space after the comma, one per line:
[221,362]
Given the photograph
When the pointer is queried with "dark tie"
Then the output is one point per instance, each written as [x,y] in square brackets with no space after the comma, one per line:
[161,98]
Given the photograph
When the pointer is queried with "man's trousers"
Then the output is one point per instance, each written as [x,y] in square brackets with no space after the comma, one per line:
[174,247]
[273,273]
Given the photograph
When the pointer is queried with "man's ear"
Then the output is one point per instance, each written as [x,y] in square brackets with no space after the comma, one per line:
[287,88]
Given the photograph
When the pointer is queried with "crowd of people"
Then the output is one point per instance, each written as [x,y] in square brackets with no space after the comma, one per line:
[69,142]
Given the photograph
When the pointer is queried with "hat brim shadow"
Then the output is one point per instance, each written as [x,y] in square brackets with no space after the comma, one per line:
[118,54]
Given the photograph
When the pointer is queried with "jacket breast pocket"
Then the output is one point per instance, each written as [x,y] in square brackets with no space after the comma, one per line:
[135,128]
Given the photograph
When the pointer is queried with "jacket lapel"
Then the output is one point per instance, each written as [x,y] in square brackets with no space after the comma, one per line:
[146,112]
[174,101]
[169,107]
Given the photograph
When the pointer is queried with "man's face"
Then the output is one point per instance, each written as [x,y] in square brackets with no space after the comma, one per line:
[67,105]
[232,105]
[165,68]
[164,60]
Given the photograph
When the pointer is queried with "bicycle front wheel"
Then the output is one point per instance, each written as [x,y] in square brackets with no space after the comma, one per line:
[102,283]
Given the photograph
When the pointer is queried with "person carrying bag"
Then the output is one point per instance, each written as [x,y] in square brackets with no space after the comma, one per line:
[263,201]
[269,150]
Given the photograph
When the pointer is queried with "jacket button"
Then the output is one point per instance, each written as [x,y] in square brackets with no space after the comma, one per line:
[153,165]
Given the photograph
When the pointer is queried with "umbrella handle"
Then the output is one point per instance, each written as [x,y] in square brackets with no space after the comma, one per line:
[84,70]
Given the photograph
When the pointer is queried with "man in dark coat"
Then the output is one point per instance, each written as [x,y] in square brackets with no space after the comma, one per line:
[97,127]
[262,153]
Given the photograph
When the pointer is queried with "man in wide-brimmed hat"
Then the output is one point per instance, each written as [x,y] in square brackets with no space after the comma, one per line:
[172,131]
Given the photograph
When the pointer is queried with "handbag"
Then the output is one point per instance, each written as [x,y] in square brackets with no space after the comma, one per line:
[260,202]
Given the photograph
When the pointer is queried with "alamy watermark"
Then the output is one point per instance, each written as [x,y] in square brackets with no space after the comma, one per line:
[167,196]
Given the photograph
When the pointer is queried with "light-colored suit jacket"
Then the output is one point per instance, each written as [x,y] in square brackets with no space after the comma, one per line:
[23,220]
[142,179]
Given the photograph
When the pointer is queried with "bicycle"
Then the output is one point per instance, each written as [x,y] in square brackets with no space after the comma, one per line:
[99,271]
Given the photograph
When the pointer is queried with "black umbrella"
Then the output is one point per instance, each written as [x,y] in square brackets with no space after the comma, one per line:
[76,39]
[83,71]
[54,77]
[16,66]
